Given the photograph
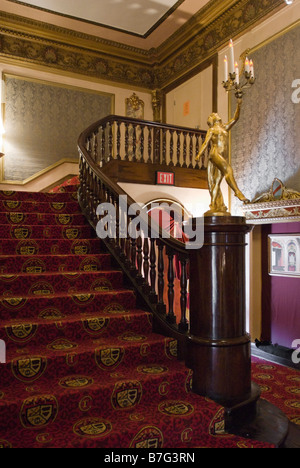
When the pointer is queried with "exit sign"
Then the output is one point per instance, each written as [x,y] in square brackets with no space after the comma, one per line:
[165,178]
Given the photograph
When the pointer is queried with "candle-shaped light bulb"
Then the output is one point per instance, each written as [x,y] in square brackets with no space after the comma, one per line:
[231,57]
[251,68]
[225,68]
[247,65]
[237,73]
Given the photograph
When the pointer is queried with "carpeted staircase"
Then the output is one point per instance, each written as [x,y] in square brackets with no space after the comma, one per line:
[83,367]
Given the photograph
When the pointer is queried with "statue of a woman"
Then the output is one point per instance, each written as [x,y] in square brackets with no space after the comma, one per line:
[218,166]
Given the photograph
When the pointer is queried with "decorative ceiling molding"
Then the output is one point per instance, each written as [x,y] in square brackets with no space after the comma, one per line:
[29,42]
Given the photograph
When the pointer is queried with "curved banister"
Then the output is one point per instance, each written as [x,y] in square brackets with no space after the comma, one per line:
[145,259]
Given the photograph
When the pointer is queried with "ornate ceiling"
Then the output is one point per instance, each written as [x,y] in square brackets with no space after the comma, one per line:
[139,23]
[156,50]
[137,17]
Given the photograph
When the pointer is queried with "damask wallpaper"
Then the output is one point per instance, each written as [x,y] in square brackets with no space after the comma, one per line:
[265,143]
[43,123]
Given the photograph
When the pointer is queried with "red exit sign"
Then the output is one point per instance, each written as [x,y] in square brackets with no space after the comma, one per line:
[165,178]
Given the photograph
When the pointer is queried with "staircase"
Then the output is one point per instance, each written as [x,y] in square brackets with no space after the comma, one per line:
[84,368]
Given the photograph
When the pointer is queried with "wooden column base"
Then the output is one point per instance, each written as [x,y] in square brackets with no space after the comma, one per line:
[259,420]
[222,368]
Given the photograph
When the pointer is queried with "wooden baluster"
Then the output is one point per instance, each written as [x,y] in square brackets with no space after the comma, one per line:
[164,146]
[142,149]
[80,175]
[149,145]
[118,141]
[191,165]
[197,151]
[184,149]
[91,194]
[157,145]
[161,308]
[103,141]
[126,141]
[88,145]
[114,232]
[139,276]
[95,198]
[153,295]
[102,192]
[171,295]
[171,163]
[133,253]
[146,266]
[183,325]
[123,233]
[134,143]
[178,148]
[128,252]
[110,142]
[95,148]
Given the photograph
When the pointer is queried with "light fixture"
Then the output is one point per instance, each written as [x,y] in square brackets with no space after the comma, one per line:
[289,2]
[232,74]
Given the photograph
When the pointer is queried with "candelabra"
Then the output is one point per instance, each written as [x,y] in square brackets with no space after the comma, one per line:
[233,81]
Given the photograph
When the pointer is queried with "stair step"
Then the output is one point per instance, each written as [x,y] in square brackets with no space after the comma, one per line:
[54,360]
[30,247]
[110,322]
[65,304]
[188,422]
[62,219]
[67,196]
[104,392]
[14,264]
[24,232]
[45,283]
[71,207]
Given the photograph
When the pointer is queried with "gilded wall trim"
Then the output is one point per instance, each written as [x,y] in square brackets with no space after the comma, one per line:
[33,43]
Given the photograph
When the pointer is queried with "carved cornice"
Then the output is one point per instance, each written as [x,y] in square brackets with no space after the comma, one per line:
[27,41]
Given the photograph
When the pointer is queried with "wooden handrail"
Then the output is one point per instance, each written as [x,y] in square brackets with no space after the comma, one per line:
[144,260]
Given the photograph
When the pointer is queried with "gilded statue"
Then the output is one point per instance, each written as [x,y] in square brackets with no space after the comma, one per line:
[218,166]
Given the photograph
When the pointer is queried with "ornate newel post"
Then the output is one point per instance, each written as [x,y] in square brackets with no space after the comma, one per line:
[219,348]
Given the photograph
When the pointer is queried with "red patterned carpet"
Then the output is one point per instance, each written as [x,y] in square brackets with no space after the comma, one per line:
[83,367]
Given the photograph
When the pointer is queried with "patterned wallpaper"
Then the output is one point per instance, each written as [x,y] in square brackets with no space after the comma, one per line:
[43,123]
[265,143]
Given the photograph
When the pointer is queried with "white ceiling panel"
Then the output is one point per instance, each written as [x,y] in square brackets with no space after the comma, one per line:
[133,16]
